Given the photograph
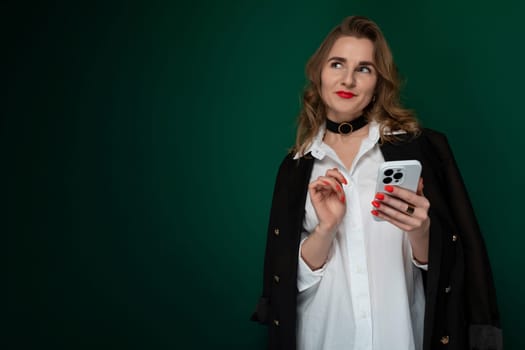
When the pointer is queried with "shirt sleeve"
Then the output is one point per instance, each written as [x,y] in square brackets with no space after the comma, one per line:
[423,267]
[306,277]
[418,265]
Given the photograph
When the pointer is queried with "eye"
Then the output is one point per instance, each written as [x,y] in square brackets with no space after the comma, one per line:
[336,65]
[364,69]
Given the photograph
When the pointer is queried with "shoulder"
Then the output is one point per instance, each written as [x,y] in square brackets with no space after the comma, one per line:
[424,134]
[429,145]
[292,163]
[293,173]
[434,135]
[285,170]
[286,163]
[427,139]
[421,135]
[436,141]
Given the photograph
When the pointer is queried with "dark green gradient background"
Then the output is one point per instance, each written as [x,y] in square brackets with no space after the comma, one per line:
[140,141]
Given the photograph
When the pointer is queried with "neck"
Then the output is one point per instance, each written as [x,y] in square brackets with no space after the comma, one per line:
[346,127]
[332,138]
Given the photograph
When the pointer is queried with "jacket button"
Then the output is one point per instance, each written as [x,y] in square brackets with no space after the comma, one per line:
[276,323]
[448,289]
[276,232]
[454,238]
[444,340]
[276,278]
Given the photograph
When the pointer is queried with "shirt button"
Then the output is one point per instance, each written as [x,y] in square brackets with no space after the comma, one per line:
[276,323]
[276,278]
[276,232]
[454,238]
[444,340]
[448,289]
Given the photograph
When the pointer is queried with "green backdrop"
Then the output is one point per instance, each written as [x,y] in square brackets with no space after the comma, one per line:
[140,141]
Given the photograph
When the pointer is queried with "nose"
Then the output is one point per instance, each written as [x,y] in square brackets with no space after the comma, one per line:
[349,79]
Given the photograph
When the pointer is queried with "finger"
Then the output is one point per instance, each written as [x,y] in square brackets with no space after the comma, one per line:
[407,196]
[320,186]
[409,220]
[336,173]
[332,182]
[402,205]
[420,187]
[401,225]
[408,208]
[406,224]
[327,186]
[397,213]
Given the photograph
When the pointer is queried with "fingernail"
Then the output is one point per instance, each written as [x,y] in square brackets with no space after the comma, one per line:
[380,196]
[389,188]
[375,212]
[344,181]
[376,204]
[325,182]
[339,188]
[343,198]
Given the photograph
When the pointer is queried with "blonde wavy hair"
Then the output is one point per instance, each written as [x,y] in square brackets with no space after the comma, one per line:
[386,108]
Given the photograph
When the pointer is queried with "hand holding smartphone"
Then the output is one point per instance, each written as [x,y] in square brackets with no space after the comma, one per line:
[402,173]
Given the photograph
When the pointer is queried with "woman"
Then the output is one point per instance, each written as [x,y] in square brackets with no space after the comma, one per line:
[334,276]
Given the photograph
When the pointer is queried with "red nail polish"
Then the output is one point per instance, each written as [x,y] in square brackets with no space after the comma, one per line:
[325,182]
[380,196]
[344,181]
[343,199]
[389,188]
[376,204]
[375,212]
[339,188]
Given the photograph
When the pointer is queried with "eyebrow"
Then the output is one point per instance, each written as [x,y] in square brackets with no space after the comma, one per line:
[342,59]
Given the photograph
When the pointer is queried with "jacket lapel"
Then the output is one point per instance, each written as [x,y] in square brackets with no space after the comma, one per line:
[302,170]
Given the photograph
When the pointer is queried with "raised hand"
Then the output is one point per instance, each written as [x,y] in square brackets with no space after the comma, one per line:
[328,200]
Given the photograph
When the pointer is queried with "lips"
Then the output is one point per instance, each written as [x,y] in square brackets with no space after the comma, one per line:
[345,94]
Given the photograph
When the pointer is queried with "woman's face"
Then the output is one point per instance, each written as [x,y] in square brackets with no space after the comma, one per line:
[348,78]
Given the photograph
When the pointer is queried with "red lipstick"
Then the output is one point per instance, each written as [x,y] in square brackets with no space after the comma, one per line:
[345,94]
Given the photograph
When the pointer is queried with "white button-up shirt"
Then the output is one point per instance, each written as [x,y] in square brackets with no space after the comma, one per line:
[369,294]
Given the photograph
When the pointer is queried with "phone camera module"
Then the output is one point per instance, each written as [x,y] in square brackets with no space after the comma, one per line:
[389,172]
[398,176]
[387,180]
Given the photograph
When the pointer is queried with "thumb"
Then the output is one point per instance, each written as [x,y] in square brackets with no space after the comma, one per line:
[420,187]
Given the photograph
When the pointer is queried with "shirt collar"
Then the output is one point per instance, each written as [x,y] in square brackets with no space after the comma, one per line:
[318,150]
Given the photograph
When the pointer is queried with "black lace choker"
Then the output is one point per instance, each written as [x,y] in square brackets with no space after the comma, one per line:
[346,127]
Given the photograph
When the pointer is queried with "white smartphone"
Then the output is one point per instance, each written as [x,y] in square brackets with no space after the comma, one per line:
[402,173]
